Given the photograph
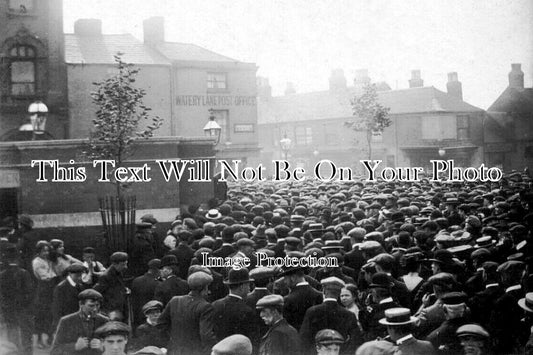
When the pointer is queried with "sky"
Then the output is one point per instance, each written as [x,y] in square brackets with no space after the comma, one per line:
[302,41]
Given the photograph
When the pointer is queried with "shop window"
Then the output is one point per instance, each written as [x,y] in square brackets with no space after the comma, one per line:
[22,70]
[217,81]
[222,118]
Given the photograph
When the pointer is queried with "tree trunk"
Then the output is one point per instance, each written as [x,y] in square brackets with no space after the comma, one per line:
[369,143]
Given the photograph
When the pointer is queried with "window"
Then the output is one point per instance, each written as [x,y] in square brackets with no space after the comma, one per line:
[222,118]
[463,127]
[439,127]
[303,135]
[22,70]
[216,81]
[21,6]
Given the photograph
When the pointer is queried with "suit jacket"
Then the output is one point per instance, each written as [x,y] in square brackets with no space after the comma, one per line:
[354,259]
[370,317]
[444,337]
[111,286]
[142,291]
[298,301]
[475,283]
[184,254]
[280,339]
[70,328]
[172,286]
[483,302]
[251,301]
[224,251]
[330,315]
[65,299]
[150,335]
[232,316]
[413,346]
[189,320]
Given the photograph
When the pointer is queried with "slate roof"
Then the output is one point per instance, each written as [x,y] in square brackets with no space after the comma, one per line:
[514,100]
[190,52]
[327,104]
[101,49]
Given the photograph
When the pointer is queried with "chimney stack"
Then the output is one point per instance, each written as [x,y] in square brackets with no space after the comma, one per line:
[88,27]
[361,78]
[154,30]
[289,90]
[264,90]
[454,86]
[337,80]
[516,77]
[416,79]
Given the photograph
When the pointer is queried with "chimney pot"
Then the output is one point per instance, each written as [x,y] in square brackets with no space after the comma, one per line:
[154,30]
[88,27]
[516,76]
[416,79]
[454,86]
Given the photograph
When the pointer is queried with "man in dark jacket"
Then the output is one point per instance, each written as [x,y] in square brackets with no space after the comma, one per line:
[65,299]
[330,315]
[172,284]
[231,314]
[143,248]
[281,338]
[301,297]
[143,289]
[76,332]
[111,284]
[183,253]
[189,319]
[16,293]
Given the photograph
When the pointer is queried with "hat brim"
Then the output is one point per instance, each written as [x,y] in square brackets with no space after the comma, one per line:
[381,286]
[218,216]
[522,304]
[291,271]
[384,321]
[238,282]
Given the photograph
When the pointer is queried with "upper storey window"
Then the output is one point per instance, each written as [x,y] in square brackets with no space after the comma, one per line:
[22,70]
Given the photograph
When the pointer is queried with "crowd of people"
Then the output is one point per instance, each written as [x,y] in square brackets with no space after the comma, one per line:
[420,268]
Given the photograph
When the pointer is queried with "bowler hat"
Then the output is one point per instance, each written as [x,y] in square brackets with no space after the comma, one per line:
[236,277]
[381,280]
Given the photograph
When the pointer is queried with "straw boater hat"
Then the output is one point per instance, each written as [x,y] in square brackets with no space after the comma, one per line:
[527,302]
[213,214]
[397,316]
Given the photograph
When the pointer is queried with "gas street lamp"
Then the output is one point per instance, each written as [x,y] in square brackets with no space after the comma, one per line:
[212,128]
[285,144]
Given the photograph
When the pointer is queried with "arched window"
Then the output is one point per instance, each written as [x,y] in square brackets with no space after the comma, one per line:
[22,70]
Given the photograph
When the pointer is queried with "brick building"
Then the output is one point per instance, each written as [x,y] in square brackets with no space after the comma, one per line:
[424,119]
[509,125]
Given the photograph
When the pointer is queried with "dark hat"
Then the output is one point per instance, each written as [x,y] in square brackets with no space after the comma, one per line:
[262,272]
[384,260]
[25,220]
[480,253]
[154,264]
[443,256]
[90,294]
[149,218]
[236,277]
[88,250]
[245,242]
[76,268]
[168,260]
[511,266]
[454,298]
[151,305]
[328,337]
[118,257]
[442,279]
[199,279]
[112,328]
[381,280]
[236,344]
[472,330]
[292,241]
[527,302]
[397,316]
[270,301]
[143,225]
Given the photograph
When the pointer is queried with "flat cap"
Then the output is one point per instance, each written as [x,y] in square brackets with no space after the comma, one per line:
[154,264]
[236,344]
[511,266]
[472,330]
[328,336]
[112,328]
[261,272]
[151,305]
[118,257]
[369,245]
[199,280]
[149,218]
[333,282]
[76,268]
[454,298]
[245,242]
[270,301]
[90,294]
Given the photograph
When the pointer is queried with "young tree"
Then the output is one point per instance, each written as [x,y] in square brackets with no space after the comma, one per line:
[369,115]
[120,111]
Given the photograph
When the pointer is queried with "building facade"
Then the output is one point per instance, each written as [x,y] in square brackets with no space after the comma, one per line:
[426,124]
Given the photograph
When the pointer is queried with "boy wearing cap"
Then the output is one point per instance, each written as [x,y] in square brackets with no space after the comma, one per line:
[148,333]
[474,339]
[331,315]
[65,298]
[281,338]
[111,284]
[95,269]
[114,337]
[75,332]
[328,342]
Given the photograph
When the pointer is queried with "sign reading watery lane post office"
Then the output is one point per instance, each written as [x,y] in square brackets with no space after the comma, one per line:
[215,100]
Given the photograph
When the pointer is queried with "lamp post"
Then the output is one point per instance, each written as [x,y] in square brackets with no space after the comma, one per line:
[212,128]
[38,113]
[285,144]
[442,152]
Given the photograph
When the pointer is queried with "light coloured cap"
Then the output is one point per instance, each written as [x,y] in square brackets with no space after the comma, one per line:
[233,345]
[332,282]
